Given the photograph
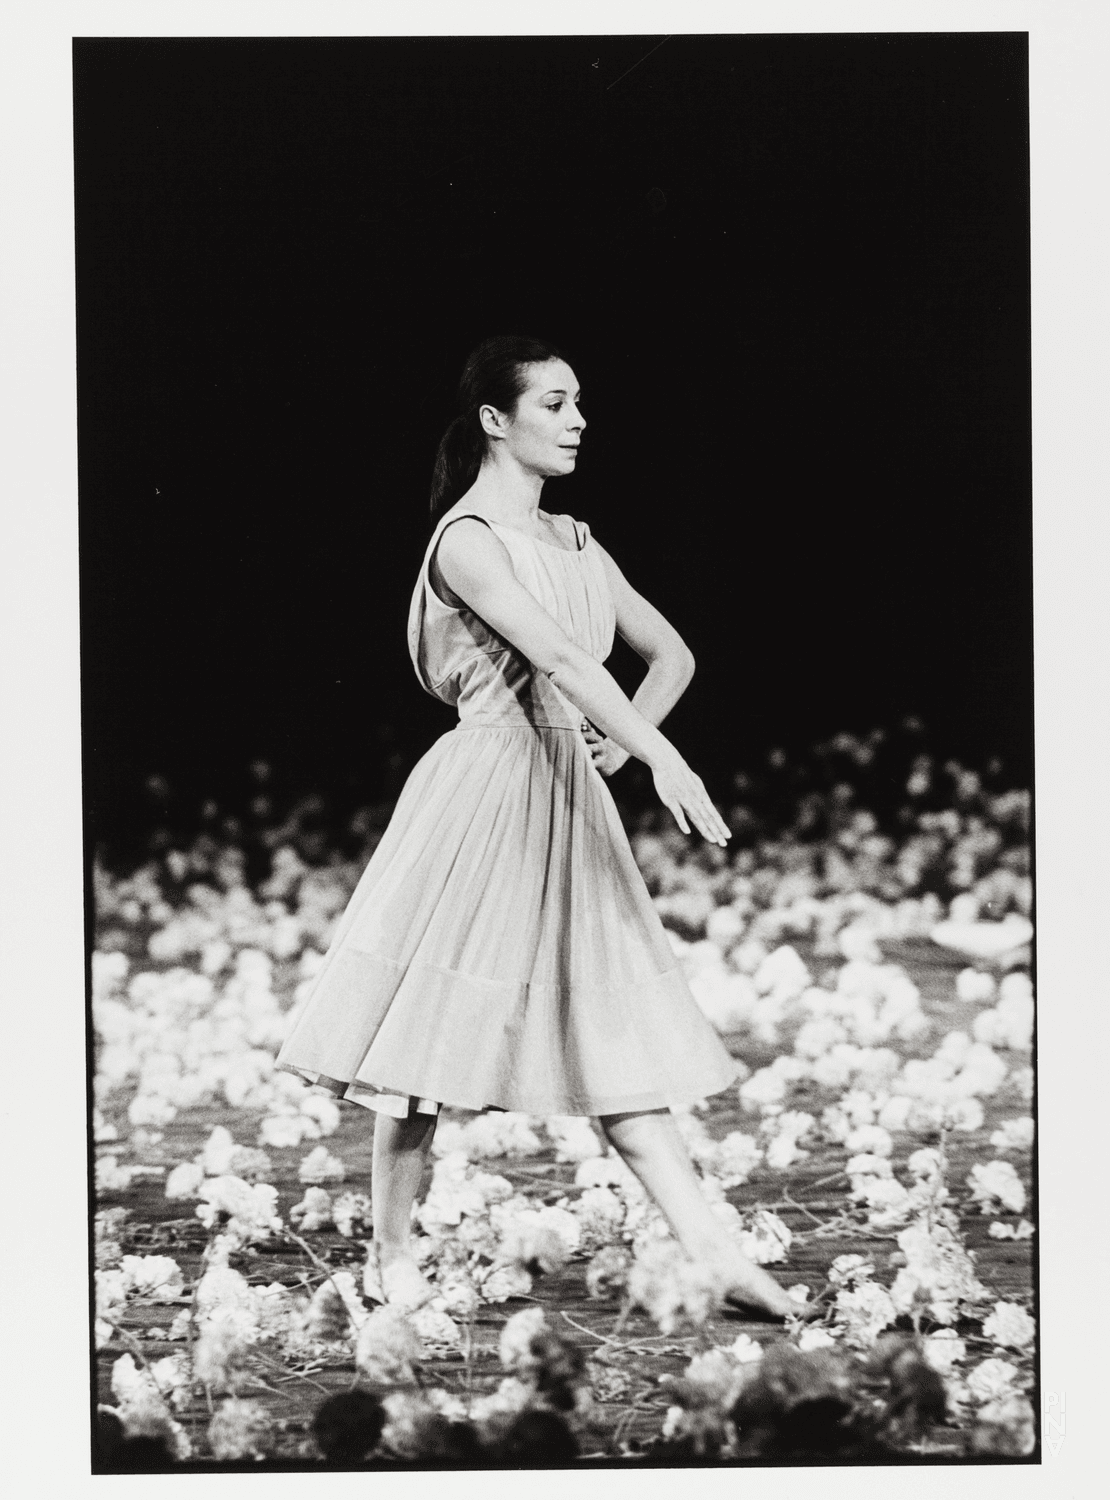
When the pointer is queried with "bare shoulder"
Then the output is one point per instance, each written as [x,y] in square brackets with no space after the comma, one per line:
[468,536]
[469,551]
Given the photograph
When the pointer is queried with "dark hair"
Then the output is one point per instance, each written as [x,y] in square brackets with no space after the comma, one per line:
[492,376]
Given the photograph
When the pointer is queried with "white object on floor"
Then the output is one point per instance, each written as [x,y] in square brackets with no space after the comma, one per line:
[985,940]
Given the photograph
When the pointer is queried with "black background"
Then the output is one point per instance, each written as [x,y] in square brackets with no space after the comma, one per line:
[791,274]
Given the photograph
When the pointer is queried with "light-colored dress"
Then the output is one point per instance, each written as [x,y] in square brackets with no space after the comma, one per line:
[501,949]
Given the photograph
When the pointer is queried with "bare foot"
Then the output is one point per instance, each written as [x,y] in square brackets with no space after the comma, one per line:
[403,1283]
[749,1285]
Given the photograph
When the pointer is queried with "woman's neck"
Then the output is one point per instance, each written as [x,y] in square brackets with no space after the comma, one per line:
[507,493]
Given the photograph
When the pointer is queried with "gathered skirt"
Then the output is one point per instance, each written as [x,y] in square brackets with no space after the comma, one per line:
[502,950]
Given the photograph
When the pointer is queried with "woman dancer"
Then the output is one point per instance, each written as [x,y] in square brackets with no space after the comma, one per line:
[501,949]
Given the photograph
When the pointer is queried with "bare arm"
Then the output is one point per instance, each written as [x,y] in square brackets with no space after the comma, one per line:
[655,640]
[476,567]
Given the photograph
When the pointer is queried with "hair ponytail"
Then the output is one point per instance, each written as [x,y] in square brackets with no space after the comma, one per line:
[458,459]
[492,376]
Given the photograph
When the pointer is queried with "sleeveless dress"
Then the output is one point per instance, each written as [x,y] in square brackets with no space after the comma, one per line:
[501,949]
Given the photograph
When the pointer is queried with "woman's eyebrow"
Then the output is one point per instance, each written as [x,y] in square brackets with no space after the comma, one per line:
[558,391]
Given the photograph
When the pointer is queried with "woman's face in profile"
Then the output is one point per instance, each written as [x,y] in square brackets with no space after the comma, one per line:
[544,431]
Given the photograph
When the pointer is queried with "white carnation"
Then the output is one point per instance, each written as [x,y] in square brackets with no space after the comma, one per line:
[865,1311]
[185,1180]
[1010,1326]
[241,1429]
[1014,1135]
[872,1139]
[974,987]
[766,1239]
[313,1212]
[943,1350]
[387,1347]
[605,1171]
[994,1183]
[319,1166]
[574,1137]
[993,1379]
[515,1347]
[251,1210]
[504,1282]
[157,1277]
[283,1131]
[1023,1230]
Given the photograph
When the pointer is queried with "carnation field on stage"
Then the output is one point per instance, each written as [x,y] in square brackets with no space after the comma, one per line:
[872,974]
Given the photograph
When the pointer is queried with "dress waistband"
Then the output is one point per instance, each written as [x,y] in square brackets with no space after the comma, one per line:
[531,725]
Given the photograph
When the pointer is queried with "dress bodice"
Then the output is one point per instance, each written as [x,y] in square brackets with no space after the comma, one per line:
[461,660]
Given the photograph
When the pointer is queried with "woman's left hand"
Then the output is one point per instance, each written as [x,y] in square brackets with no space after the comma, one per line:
[606,756]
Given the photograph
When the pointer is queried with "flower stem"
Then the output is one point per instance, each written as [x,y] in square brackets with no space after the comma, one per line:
[786,1198]
[321,1265]
[133,1344]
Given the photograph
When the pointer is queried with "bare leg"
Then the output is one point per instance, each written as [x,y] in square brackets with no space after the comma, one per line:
[651,1146]
[401,1150]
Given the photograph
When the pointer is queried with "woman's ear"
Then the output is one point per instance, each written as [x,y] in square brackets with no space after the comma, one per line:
[492,420]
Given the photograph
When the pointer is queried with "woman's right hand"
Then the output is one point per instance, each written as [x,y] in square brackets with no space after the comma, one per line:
[682,791]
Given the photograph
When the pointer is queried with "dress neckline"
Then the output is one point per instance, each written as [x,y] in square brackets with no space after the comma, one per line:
[516,531]
[552,546]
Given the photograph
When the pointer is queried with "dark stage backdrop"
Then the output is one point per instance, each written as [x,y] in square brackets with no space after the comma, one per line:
[791,274]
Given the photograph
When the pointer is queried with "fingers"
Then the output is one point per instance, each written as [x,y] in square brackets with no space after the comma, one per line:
[599,747]
[693,802]
[708,827]
[702,824]
[706,817]
[711,829]
[711,826]
[679,816]
[709,821]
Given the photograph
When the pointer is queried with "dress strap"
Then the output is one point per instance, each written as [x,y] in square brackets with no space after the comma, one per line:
[462,515]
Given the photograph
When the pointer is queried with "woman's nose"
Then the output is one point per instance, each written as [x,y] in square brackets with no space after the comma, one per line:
[577,421]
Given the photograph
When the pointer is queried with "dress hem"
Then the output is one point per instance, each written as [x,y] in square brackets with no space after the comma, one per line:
[397,1102]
